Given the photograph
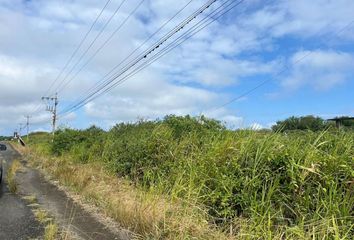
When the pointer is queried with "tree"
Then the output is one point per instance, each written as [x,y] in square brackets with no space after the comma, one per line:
[345,122]
[301,123]
[4,138]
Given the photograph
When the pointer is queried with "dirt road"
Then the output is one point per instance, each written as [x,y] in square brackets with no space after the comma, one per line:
[69,214]
[17,220]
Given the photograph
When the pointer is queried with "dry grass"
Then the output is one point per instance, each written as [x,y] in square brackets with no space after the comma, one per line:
[51,231]
[148,215]
[31,199]
[42,216]
[255,185]
[11,175]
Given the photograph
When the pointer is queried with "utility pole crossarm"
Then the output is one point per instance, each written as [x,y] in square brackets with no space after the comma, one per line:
[52,103]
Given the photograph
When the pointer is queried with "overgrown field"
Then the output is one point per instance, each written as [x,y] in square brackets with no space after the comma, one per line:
[249,184]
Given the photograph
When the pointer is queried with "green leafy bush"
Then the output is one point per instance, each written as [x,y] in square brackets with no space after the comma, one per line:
[298,183]
[83,144]
[302,123]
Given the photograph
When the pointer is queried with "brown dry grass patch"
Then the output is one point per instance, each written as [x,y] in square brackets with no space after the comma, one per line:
[148,215]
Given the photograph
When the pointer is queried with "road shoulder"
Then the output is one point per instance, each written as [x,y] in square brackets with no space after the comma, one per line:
[73,217]
[17,220]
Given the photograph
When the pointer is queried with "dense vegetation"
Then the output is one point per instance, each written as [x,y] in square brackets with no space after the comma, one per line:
[4,138]
[266,185]
[311,123]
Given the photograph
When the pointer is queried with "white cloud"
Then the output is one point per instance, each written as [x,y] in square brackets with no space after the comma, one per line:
[229,118]
[303,18]
[37,37]
[149,96]
[321,70]
[310,17]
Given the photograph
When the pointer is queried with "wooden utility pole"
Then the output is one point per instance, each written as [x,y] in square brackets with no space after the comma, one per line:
[27,125]
[52,103]
[20,125]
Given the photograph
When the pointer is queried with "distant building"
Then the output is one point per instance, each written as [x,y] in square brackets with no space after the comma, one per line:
[341,120]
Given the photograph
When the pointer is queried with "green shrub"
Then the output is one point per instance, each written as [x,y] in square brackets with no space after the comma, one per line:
[302,123]
[298,183]
[84,144]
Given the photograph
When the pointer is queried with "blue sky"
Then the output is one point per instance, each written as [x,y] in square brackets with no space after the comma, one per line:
[304,49]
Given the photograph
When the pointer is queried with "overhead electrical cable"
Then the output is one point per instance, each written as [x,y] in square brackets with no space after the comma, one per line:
[74,53]
[227,103]
[192,31]
[236,98]
[212,17]
[102,45]
[80,45]
[90,45]
[155,46]
[285,68]
[165,35]
[97,85]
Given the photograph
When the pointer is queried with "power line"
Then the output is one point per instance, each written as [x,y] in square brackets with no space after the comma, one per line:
[194,30]
[90,46]
[107,87]
[102,46]
[148,52]
[285,68]
[216,14]
[80,45]
[166,36]
[92,96]
[97,85]
[250,90]
[74,53]
[227,103]
[102,82]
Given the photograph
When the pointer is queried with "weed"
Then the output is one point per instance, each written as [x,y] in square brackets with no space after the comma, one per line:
[51,232]
[11,175]
[188,177]
[42,216]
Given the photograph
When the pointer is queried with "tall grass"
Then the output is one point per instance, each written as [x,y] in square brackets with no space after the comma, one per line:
[11,175]
[253,185]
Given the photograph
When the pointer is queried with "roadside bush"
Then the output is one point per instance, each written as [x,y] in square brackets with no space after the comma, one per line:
[64,140]
[83,144]
[297,185]
[302,123]
[125,151]
[185,125]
